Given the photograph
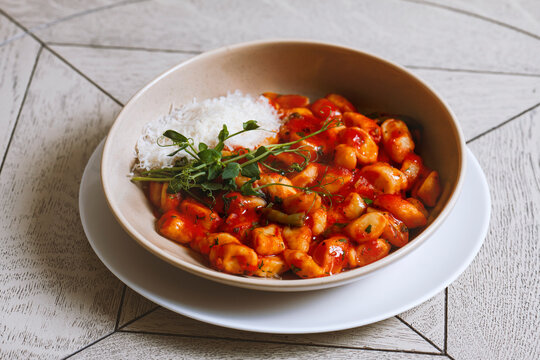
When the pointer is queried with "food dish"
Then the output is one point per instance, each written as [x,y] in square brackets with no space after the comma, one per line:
[407,283]
[366,80]
[331,190]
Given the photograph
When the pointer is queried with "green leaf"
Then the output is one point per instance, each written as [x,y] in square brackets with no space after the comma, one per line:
[247,188]
[175,136]
[251,171]
[211,186]
[209,155]
[202,146]
[219,147]
[250,125]
[231,171]
[223,134]
[213,172]
[368,201]
[178,150]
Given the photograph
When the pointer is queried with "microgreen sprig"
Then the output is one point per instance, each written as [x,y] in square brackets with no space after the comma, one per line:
[209,170]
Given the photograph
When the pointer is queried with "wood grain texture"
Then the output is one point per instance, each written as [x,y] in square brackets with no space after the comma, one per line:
[389,334]
[134,305]
[482,101]
[431,36]
[55,295]
[145,346]
[522,14]
[428,319]
[33,13]
[494,307]
[120,72]
[17,59]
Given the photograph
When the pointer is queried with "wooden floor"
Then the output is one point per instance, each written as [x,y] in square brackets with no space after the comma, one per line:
[66,69]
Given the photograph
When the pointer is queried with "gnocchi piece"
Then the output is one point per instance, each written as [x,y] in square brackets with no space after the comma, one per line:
[277,191]
[302,264]
[234,258]
[331,254]
[291,101]
[357,138]
[396,139]
[353,206]
[154,193]
[385,178]
[367,227]
[302,202]
[318,221]
[430,189]
[395,232]
[303,111]
[368,252]
[200,215]
[418,204]
[271,266]
[354,119]
[175,226]
[169,201]
[402,210]
[204,244]
[341,102]
[345,156]
[325,109]
[297,238]
[334,178]
[267,240]
[411,167]
[307,176]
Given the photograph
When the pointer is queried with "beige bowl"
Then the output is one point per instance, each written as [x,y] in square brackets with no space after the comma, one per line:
[295,67]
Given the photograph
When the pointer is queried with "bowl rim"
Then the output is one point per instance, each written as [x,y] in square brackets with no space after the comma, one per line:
[279,284]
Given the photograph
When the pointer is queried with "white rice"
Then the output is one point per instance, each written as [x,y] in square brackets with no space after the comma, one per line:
[202,121]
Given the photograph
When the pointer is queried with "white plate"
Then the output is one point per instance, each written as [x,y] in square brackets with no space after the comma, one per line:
[389,291]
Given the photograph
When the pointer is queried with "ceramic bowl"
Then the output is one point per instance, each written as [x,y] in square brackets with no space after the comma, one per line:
[287,67]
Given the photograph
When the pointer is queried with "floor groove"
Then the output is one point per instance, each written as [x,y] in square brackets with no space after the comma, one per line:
[477,16]
[419,333]
[278,342]
[503,123]
[21,107]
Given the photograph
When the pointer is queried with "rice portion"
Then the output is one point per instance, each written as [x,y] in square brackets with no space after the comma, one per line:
[202,121]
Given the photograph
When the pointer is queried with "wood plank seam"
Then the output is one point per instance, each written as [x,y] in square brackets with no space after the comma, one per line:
[44,45]
[471,71]
[38,54]
[477,16]
[119,313]
[420,334]
[445,348]
[72,16]
[131,48]
[503,123]
[278,342]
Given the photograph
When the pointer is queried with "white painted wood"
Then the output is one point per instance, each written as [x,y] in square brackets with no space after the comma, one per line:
[494,307]
[407,32]
[33,13]
[146,346]
[120,72]
[55,295]
[390,334]
[8,30]
[522,14]
[134,305]
[16,61]
[482,101]
[428,319]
